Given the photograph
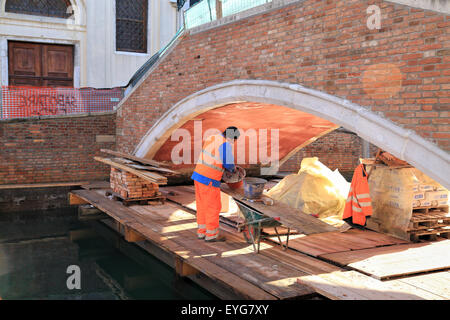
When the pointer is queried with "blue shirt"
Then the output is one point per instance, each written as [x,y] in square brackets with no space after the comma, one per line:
[226,154]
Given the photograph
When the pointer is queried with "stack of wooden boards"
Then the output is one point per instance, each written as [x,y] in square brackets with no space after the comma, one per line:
[134,178]
[146,169]
[430,214]
[129,185]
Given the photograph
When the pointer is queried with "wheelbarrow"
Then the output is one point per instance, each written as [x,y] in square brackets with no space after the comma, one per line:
[253,225]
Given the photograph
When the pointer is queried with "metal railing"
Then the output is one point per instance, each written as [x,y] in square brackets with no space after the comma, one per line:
[210,10]
[23,102]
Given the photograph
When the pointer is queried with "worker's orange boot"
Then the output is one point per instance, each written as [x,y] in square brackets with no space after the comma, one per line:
[217,239]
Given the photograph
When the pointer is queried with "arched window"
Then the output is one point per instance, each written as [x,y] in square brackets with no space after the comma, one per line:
[47,8]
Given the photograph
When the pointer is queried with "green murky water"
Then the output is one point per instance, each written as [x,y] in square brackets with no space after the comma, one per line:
[36,250]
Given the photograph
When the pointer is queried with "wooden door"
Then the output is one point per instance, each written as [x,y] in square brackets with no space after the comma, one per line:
[37,64]
[24,64]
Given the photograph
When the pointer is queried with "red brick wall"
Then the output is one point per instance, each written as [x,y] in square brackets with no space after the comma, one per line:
[321,44]
[336,150]
[57,149]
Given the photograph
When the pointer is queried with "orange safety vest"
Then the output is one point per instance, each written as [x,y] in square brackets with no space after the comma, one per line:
[209,163]
[359,203]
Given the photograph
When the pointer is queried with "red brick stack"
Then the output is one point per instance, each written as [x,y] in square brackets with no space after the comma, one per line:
[128,185]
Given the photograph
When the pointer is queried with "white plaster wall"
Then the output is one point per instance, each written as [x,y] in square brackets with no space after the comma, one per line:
[92,32]
[107,67]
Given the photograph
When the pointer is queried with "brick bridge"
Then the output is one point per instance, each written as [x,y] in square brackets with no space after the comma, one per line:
[305,67]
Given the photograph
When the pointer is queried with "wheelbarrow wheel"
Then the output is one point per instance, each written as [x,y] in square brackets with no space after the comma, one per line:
[250,231]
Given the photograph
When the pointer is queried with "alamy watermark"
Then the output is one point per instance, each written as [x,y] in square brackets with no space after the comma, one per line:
[374,20]
[74,280]
[254,147]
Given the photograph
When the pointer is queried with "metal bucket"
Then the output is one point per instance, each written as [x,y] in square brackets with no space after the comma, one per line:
[254,187]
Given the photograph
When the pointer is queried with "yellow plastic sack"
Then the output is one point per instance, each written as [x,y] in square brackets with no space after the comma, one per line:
[315,190]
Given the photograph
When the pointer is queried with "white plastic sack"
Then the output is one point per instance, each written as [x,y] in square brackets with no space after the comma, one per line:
[315,190]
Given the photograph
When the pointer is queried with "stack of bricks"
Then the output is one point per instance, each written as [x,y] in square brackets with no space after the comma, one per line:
[128,185]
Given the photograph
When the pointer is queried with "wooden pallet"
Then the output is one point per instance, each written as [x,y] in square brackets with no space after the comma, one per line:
[436,219]
[418,216]
[430,210]
[426,225]
[430,234]
[140,201]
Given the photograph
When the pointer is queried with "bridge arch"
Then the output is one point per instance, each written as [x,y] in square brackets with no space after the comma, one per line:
[403,143]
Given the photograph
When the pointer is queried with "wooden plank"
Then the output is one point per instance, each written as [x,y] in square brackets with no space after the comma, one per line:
[306,247]
[185,196]
[112,208]
[150,176]
[331,242]
[42,185]
[380,239]
[88,213]
[184,269]
[437,283]
[329,289]
[131,157]
[300,261]
[289,217]
[395,261]
[96,185]
[76,200]
[151,168]
[311,245]
[352,285]
[137,165]
[133,236]
[180,195]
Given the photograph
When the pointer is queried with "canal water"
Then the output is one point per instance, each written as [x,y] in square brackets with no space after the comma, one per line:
[51,255]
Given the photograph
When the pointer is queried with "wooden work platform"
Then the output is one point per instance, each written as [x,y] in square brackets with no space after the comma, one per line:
[233,266]
[230,264]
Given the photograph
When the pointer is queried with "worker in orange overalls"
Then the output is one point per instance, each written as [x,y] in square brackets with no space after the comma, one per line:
[216,156]
[359,204]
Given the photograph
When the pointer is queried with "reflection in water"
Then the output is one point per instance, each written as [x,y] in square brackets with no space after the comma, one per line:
[36,250]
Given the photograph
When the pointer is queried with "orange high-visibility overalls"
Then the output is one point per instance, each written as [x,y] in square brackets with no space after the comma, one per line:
[207,197]
[359,203]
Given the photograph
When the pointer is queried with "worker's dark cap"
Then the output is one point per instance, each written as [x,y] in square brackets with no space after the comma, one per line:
[231,133]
